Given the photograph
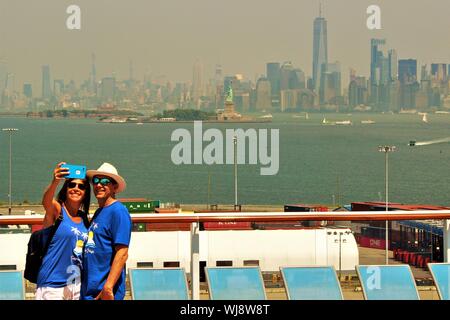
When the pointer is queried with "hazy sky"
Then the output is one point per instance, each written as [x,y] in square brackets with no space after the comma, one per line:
[166,37]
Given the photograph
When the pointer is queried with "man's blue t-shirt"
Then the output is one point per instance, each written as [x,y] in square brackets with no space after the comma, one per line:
[110,226]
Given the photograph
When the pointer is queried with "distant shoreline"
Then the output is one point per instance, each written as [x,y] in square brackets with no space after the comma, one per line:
[191,121]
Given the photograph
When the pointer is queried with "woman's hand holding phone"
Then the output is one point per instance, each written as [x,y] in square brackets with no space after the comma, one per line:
[60,173]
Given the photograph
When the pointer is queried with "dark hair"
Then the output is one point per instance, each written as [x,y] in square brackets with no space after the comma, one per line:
[62,195]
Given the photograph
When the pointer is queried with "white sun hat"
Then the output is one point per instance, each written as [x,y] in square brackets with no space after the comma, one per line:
[107,169]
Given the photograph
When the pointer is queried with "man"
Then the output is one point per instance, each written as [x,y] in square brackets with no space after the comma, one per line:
[106,249]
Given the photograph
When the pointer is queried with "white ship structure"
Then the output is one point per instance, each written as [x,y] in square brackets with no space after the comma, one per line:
[269,249]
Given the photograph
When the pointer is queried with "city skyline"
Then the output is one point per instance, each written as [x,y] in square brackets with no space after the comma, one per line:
[291,39]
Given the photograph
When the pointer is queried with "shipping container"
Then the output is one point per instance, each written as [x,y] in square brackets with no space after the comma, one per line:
[132,199]
[232,225]
[274,225]
[142,206]
[305,208]
[167,210]
[167,226]
[308,208]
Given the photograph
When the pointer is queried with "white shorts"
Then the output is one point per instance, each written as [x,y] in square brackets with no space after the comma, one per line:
[69,292]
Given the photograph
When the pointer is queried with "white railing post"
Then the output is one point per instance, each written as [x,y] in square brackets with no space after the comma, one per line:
[195,260]
[446,241]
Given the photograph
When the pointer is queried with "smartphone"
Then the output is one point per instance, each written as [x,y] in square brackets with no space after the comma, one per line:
[75,171]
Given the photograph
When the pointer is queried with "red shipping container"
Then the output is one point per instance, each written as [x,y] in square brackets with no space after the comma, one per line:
[167,210]
[372,243]
[167,226]
[279,225]
[132,199]
[232,225]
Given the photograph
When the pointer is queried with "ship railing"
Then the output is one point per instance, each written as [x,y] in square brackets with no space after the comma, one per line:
[196,218]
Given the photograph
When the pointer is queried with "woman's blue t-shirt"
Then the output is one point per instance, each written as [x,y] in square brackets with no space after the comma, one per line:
[110,226]
[63,262]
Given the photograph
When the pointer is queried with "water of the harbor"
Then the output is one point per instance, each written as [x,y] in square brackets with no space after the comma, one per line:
[318,163]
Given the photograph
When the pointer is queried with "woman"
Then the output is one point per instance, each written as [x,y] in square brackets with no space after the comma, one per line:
[59,275]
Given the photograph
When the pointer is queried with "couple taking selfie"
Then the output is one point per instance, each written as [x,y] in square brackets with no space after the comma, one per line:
[85,258]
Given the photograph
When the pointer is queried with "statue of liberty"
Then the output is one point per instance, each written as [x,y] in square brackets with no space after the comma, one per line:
[229,97]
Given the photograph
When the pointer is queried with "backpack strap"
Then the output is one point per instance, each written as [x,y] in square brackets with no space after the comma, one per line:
[53,231]
[85,218]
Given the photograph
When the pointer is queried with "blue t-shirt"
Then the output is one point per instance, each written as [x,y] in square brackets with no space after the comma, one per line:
[110,226]
[63,261]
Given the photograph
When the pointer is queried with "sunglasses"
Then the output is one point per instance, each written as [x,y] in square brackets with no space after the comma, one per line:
[72,185]
[102,181]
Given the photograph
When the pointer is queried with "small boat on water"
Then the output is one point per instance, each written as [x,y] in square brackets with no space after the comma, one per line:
[424,116]
[267,116]
[113,120]
[328,123]
[344,122]
[408,111]
[367,121]
[305,116]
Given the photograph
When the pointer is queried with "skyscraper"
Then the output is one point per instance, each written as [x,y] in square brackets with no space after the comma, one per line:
[130,70]
[375,56]
[330,86]
[439,71]
[58,87]
[297,79]
[357,91]
[218,75]
[8,92]
[320,49]
[27,90]
[424,73]
[273,75]
[3,78]
[263,94]
[407,71]
[10,83]
[46,88]
[285,75]
[108,88]
[218,79]
[383,70]
[393,64]
[197,83]
[407,75]
[93,75]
